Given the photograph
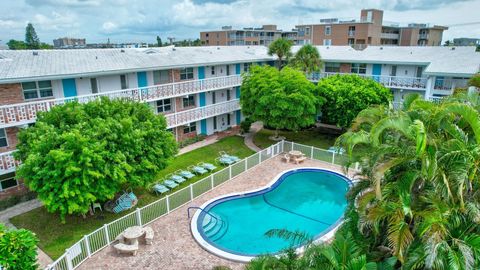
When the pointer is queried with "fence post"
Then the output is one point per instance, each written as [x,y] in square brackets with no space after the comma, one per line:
[229,172]
[246,164]
[139,217]
[333,158]
[311,152]
[87,245]
[293,145]
[105,226]
[167,198]
[191,192]
[69,261]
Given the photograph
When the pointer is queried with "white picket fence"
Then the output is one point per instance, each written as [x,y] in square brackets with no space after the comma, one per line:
[102,237]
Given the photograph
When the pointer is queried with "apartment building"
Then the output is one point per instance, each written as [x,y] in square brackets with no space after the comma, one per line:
[369,30]
[247,36]
[69,43]
[466,42]
[196,88]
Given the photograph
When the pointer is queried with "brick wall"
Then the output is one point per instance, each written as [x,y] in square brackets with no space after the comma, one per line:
[11,93]
[174,74]
[11,138]
[18,190]
[182,136]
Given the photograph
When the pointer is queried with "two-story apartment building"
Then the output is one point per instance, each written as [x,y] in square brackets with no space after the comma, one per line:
[196,88]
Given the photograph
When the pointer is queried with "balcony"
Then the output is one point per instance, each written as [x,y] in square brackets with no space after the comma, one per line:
[389,36]
[25,113]
[423,36]
[188,116]
[351,33]
[387,81]
[7,162]
[448,85]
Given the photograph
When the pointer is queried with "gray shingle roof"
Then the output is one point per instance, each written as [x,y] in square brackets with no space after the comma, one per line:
[24,65]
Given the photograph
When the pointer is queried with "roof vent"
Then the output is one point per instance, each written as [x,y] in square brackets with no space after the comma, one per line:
[381,48]
[173,49]
[453,49]
[218,48]
[96,57]
[35,53]
[328,47]
[122,50]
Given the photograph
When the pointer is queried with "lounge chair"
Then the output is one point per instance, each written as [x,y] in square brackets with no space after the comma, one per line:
[160,189]
[224,161]
[170,184]
[197,169]
[185,174]
[223,154]
[176,178]
[207,166]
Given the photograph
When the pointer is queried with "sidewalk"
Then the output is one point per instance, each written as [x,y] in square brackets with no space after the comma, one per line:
[257,126]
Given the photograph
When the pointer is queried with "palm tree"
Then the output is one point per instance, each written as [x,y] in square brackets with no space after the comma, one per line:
[307,59]
[280,47]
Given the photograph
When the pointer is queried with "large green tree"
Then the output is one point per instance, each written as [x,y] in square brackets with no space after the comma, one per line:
[31,38]
[18,249]
[307,59]
[282,49]
[77,154]
[281,99]
[347,95]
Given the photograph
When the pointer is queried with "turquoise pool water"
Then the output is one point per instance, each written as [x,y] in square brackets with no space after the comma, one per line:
[307,200]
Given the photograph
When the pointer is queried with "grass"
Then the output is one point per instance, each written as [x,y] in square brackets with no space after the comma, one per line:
[55,237]
[315,137]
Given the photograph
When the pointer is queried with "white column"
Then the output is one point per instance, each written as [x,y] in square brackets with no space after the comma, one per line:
[429,87]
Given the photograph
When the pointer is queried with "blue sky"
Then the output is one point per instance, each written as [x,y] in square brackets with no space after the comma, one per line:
[133,21]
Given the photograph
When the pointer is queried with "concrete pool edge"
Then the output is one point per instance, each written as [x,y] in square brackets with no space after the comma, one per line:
[325,236]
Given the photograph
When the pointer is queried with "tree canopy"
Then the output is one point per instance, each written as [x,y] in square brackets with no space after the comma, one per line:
[31,38]
[18,249]
[281,99]
[77,154]
[307,59]
[282,49]
[347,95]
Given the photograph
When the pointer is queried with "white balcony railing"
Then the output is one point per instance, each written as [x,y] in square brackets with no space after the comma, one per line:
[7,162]
[188,116]
[450,84]
[24,113]
[388,81]
[389,36]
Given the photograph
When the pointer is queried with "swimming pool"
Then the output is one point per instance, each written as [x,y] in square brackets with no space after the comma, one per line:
[308,200]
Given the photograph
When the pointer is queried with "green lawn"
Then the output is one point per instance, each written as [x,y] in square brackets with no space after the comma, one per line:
[55,237]
[314,137]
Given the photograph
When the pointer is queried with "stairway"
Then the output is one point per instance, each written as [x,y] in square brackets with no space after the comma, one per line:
[214,226]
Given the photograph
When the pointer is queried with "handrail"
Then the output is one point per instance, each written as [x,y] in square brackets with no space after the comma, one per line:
[201,210]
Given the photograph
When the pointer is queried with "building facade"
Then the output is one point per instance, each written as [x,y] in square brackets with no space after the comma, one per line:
[196,88]
[237,37]
[466,42]
[69,43]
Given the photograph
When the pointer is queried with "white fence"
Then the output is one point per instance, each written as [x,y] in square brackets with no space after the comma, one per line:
[102,237]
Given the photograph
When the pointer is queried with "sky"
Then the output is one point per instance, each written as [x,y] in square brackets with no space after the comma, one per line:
[143,20]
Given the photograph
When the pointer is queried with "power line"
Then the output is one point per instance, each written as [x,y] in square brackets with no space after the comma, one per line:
[463,24]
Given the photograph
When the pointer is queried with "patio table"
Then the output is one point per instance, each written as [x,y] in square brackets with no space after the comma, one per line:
[131,234]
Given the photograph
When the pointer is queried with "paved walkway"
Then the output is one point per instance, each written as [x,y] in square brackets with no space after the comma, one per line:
[5,215]
[173,246]
[257,126]
[207,141]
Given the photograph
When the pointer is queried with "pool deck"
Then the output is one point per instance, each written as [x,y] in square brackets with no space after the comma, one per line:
[173,246]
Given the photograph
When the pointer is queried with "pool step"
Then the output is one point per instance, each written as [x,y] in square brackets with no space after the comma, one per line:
[214,228]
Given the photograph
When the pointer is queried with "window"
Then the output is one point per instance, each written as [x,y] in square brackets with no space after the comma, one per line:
[32,90]
[307,31]
[160,77]
[419,72]
[246,67]
[228,119]
[188,101]
[228,70]
[164,105]
[393,71]
[327,42]
[228,95]
[359,68]
[123,82]
[328,30]
[214,98]
[213,70]
[332,67]
[8,181]
[206,34]
[94,85]
[351,31]
[214,123]
[351,41]
[192,127]
[3,138]
[186,74]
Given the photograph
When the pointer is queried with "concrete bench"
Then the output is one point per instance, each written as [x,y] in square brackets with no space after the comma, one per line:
[300,159]
[148,235]
[124,248]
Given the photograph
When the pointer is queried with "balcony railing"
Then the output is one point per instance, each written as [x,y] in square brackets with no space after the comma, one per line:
[389,35]
[25,113]
[388,81]
[188,116]
[7,162]
[450,84]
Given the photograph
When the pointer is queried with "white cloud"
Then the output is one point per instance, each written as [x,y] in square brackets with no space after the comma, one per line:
[109,26]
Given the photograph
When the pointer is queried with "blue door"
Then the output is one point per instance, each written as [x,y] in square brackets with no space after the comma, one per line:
[142,79]
[201,73]
[237,69]
[69,88]
[203,127]
[377,71]
[203,99]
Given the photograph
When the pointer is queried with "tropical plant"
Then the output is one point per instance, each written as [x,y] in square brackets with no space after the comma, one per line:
[77,154]
[346,95]
[282,48]
[475,81]
[18,249]
[280,99]
[307,59]
[417,197]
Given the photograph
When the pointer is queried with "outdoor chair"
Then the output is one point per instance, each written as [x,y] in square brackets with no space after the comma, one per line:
[207,166]
[198,169]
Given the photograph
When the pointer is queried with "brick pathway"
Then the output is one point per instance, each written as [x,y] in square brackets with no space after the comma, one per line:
[173,246]
[257,126]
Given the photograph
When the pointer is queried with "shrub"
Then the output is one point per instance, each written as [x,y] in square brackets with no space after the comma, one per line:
[18,249]
[16,199]
[245,125]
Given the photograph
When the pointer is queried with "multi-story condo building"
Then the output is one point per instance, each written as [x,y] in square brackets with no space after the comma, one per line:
[466,42]
[369,30]
[196,88]
[69,43]
[246,36]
